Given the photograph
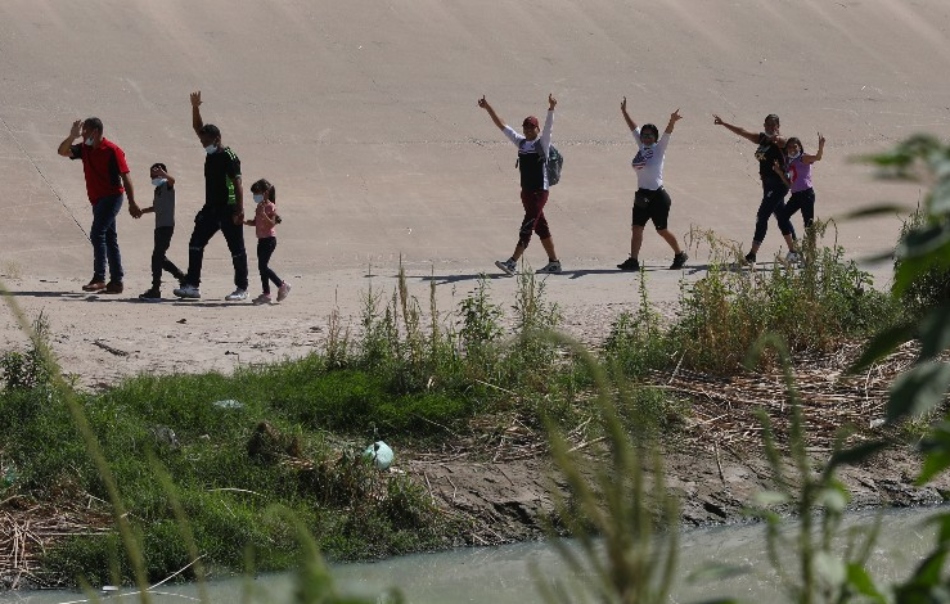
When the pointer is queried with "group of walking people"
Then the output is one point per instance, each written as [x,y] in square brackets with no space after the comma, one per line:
[108,183]
[783,167]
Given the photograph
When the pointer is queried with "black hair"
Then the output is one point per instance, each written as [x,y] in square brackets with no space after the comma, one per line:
[159,165]
[652,128]
[94,123]
[210,130]
[264,186]
[773,117]
[795,140]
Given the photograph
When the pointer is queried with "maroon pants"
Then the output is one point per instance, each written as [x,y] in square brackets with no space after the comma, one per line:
[534,220]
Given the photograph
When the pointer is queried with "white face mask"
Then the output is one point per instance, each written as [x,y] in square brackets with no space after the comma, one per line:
[90,141]
[157,182]
[258,198]
[795,155]
[211,149]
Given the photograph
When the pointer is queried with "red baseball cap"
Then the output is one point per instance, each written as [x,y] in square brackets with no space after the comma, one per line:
[533,121]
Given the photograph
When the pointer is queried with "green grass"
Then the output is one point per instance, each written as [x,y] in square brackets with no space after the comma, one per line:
[294,436]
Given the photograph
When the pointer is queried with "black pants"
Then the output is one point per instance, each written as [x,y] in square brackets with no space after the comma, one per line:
[265,248]
[209,221]
[160,262]
[804,201]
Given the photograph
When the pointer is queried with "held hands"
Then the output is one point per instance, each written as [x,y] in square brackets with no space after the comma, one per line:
[196,99]
[135,210]
[777,168]
[552,102]
[238,218]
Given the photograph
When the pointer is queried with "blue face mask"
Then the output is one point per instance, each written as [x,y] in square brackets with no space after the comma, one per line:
[157,182]
[258,198]
[90,141]
[211,149]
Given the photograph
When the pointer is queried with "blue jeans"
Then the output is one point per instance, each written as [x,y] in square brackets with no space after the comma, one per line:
[105,240]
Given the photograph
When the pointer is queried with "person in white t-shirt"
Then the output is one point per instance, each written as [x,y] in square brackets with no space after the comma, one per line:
[651,201]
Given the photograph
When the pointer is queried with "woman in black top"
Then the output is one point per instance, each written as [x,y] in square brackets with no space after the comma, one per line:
[771,148]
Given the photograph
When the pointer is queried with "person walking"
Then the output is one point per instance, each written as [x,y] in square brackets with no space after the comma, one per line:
[223,209]
[651,201]
[771,149]
[107,182]
[265,222]
[533,150]
[163,206]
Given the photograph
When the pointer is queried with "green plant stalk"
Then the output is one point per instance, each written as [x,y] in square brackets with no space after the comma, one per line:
[92,446]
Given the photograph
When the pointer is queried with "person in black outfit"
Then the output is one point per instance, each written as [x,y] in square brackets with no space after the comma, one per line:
[223,210]
[771,148]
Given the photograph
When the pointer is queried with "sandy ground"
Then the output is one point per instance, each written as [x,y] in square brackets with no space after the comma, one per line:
[364,115]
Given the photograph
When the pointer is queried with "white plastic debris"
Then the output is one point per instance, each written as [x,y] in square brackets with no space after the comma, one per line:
[380,453]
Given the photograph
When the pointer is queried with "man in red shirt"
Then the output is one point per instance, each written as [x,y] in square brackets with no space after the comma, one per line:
[107,179]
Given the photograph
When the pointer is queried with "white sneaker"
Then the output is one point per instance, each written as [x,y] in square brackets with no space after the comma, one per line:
[551,268]
[188,291]
[283,291]
[793,258]
[237,295]
[507,266]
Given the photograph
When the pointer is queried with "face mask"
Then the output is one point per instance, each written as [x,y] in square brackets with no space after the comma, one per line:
[795,155]
[211,149]
[650,146]
[258,198]
[157,182]
[90,141]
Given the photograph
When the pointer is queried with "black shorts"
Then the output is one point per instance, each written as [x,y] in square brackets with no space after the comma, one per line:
[651,205]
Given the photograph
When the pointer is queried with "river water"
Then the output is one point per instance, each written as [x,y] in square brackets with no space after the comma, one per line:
[508,574]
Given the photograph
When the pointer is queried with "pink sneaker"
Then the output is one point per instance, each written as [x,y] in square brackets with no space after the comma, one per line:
[261,299]
[283,291]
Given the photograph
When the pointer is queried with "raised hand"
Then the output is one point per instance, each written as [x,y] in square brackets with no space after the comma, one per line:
[75,129]
[821,140]
[717,120]
[623,105]
[552,102]
[482,102]
[675,116]
[196,98]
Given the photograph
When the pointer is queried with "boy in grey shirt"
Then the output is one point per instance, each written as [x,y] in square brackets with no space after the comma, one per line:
[163,207]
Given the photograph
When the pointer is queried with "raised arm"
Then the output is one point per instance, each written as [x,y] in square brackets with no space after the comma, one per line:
[626,116]
[491,112]
[810,159]
[548,124]
[674,117]
[751,136]
[196,121]
[65,147]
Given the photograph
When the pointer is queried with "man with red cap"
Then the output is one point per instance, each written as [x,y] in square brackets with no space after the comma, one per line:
[533,150]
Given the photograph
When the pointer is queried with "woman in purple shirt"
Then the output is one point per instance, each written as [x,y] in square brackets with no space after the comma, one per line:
[797,175]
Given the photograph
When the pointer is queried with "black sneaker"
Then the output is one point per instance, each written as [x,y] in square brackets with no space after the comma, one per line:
[679,260]
[750,258]
[630,264]
[152,295]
